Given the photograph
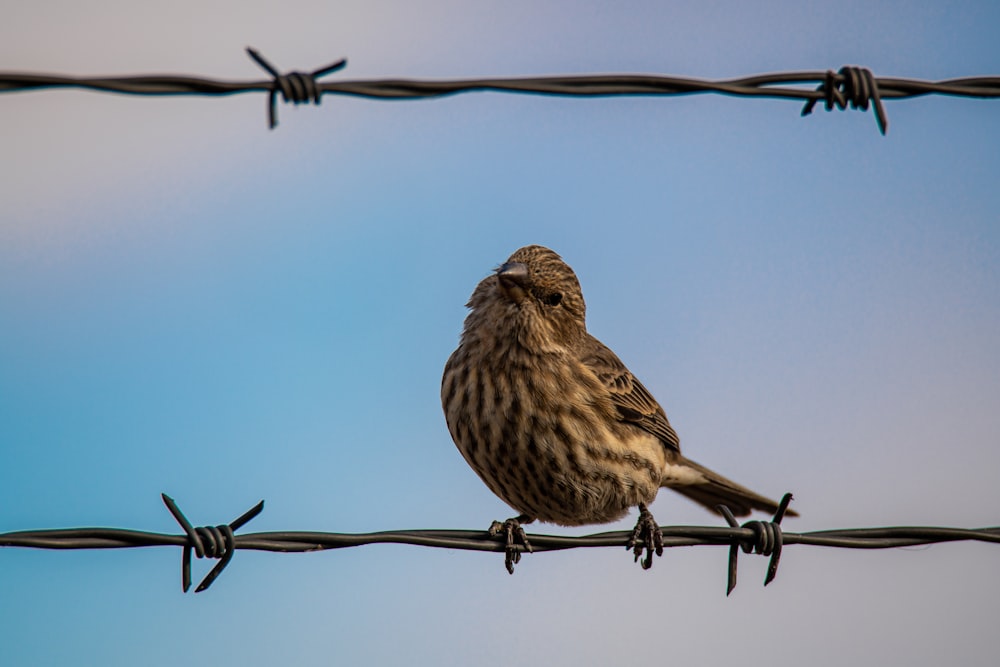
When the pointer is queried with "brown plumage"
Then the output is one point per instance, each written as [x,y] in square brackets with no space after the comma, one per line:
[553,422]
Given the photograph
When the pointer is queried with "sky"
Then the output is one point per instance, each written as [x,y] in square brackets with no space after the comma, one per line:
[193,304]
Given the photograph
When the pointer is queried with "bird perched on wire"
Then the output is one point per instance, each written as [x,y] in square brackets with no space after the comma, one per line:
[554,423]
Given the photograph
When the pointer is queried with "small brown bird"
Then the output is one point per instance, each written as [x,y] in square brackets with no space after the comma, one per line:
[554,423]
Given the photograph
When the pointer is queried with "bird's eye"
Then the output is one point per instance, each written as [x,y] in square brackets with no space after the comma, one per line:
[553,299]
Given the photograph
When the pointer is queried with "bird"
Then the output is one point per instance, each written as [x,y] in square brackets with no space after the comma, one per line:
[554,423]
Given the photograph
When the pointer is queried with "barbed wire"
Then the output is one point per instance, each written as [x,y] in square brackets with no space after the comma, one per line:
[761,537]
[854,87]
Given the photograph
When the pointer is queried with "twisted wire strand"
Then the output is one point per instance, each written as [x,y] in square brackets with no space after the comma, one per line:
[761,537]
[852,87]
[478,540]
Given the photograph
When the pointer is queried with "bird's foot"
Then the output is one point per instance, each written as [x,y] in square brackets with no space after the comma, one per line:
[517,539]
[645,536]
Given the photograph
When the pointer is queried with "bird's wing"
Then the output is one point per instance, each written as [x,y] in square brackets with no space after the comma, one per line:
[634,402]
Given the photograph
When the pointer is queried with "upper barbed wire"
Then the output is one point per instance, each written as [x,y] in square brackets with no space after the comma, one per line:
[851,86]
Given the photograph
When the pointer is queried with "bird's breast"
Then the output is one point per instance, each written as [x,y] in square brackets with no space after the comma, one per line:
[542,434]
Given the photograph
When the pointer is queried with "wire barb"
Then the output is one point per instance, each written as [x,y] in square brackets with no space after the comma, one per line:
[767,540]
[853,86]
[295,87]
[208,542]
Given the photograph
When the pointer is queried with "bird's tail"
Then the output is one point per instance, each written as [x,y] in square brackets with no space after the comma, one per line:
[709,488]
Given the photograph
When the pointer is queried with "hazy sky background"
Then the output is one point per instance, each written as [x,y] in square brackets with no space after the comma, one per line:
[192,304]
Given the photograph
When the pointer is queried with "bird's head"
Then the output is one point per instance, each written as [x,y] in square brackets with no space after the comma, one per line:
[535,292]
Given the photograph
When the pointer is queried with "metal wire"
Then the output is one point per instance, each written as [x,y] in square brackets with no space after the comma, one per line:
[762,537]
[852,87]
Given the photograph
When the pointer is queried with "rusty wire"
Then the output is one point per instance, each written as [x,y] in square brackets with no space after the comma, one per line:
[762,537]
[854,87]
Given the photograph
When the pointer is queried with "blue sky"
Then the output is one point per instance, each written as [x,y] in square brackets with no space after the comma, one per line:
[192,304]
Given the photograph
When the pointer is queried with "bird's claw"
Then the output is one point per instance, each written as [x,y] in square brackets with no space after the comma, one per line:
[646,536]
[517,541]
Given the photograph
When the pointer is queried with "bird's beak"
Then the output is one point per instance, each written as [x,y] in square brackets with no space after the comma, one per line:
[513,279]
